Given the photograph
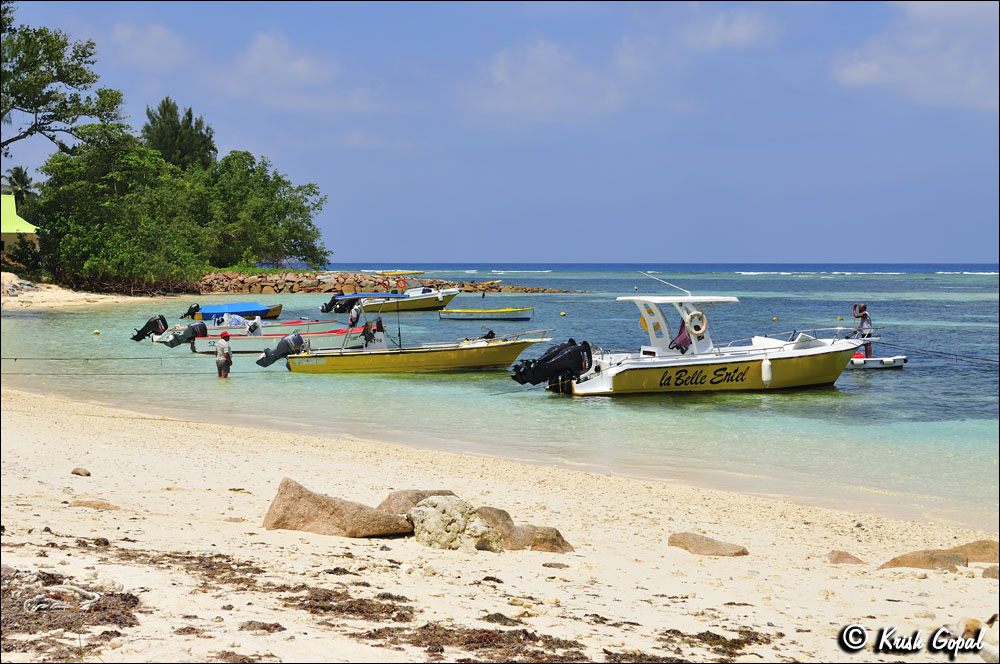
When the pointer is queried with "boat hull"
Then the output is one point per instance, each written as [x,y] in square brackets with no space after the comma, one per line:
[249,344]
[472,356]
[486,314]
[723,375]
[894,362]
[265,312]
[429,302]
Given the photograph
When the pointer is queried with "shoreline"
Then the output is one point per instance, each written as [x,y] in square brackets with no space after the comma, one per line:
[918,509]
[185,495]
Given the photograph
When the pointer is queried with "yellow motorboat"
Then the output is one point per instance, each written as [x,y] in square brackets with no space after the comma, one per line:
[464,355]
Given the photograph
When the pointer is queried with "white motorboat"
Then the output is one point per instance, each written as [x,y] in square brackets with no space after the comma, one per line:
[688,359]
[258,343]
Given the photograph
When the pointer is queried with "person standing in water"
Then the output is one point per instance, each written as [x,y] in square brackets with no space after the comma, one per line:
[223,357]
[865,327]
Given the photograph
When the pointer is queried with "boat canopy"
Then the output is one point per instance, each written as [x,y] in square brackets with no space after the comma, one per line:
[680,299]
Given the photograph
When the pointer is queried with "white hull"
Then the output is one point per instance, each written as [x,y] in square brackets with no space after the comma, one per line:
[894,362]
[316,341]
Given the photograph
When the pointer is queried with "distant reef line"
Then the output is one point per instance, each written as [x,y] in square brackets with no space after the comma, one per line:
[346,282]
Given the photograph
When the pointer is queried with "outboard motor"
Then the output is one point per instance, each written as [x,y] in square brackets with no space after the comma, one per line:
[195,329]
[287,346]
[332,304]
[343,306]
[192,310]
[566,360]
[155,325]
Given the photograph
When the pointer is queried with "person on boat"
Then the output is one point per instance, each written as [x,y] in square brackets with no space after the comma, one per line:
[223,356]
[865,327]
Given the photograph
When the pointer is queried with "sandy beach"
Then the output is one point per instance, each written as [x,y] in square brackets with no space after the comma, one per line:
[49,296]
[182,532]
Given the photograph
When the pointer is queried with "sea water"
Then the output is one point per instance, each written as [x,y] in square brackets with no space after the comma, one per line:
[921,442]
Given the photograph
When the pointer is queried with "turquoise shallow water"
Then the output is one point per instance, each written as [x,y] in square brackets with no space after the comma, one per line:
[917,443]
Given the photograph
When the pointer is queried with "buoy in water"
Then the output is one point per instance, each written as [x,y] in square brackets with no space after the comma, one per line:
[775,318]
[636,287]
[97,331]
[562,313]
[840,318]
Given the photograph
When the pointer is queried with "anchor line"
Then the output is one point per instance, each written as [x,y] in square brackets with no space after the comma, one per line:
[965,358]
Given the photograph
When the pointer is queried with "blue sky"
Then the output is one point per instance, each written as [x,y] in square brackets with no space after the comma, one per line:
[589,132]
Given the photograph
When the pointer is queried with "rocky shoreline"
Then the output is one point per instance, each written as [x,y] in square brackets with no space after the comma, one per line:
[346,282]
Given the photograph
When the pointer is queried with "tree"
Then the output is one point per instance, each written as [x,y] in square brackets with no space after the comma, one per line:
[260,213]
[181,141]
[118,216]
[44,81]
[18,183]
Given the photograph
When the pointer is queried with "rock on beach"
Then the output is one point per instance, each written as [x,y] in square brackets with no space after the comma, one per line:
[297,508]
[448,522]
[514,537]
[705,546]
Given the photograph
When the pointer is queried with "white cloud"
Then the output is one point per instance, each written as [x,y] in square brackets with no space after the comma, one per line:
[730,30]
[937,53]
[154,48]
[275,73]
[541,82]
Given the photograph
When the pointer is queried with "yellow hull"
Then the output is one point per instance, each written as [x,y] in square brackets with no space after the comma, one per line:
[496,355]
[801,371]
[410,304]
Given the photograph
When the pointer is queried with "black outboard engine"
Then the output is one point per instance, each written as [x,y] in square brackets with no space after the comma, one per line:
[288,345]
[345,305]
[192,310]
[155,325]
[564,362]
[195,329]
[332,304]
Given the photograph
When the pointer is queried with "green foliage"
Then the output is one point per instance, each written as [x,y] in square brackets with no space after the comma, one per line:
[257,210]
[182,141]
[44,82]
[18,182]
[118,216]
[25,253]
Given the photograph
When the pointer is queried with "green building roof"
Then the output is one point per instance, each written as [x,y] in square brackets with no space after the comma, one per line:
[11,223]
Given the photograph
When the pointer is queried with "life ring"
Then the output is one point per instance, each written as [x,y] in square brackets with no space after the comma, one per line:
[401,283]
[642,324]
[385,284]
[696,323]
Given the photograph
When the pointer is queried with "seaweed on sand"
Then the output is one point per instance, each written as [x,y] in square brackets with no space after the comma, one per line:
[492,645]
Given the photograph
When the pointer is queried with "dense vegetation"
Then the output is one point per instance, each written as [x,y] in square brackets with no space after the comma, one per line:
[139,213]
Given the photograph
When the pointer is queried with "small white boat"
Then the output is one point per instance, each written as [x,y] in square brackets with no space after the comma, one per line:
[240,325]
[249,343]
[518,313]
[859,361]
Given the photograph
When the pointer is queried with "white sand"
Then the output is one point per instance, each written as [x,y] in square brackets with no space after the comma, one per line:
[183,486]
[49,296]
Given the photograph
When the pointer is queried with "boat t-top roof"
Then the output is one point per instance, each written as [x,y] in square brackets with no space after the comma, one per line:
[680,299]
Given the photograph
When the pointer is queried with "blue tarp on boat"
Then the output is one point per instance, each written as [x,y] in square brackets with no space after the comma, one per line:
[245,309]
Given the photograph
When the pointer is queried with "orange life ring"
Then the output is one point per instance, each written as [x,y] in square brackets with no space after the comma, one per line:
[401,283]
[696,323]
[385,284]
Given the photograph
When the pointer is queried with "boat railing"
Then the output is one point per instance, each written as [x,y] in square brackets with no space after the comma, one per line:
[510,336]
[789,337]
